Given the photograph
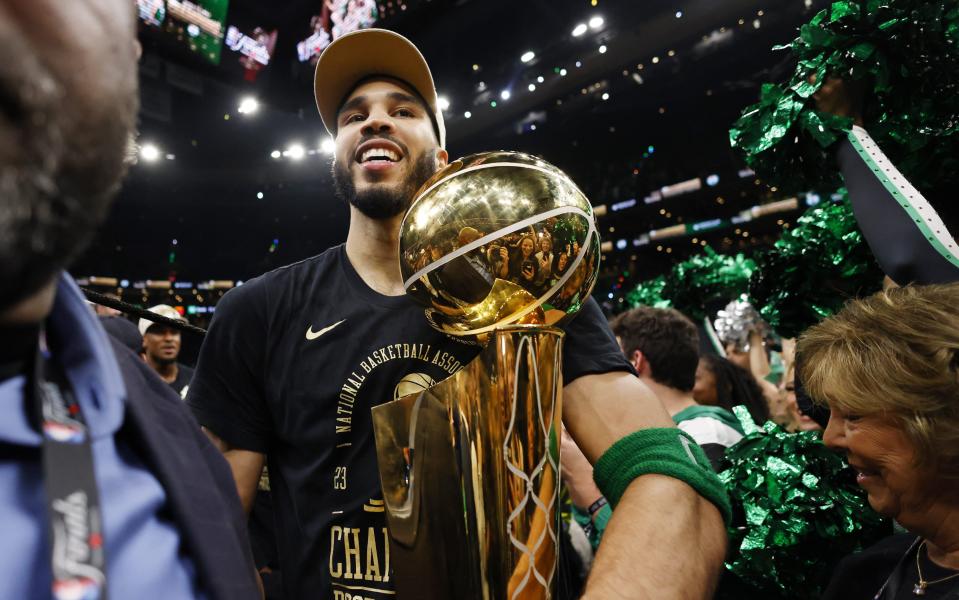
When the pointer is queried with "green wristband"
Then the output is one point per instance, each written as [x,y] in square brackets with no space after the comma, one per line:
[664,451]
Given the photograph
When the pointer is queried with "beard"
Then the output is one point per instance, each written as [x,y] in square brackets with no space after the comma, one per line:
[60,165]
[384,202]
[162,360]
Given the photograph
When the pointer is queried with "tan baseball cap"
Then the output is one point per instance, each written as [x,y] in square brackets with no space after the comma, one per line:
[366,52]
[164,310]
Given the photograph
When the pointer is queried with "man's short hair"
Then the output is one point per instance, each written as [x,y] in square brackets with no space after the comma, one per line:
[668,340]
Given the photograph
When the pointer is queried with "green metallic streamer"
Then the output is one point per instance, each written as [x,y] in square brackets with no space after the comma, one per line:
[904,54]
[798,511]
[696,285]
[813,269]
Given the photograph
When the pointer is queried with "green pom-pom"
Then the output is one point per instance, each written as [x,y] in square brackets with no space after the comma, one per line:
[694,286]
[904,54]
[813,270]
[649,293]
[798,512]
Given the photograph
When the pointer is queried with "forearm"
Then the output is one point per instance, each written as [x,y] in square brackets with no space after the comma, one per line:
[599,410]
[758,360]
[663,541]
[904,232]
[246,467]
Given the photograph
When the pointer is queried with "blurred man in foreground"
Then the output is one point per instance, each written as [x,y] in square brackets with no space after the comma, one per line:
[107,487]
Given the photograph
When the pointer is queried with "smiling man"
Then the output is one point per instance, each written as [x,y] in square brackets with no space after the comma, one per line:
[295,359]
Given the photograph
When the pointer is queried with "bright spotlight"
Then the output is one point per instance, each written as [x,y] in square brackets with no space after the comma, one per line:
[602,49]
[579,30]
[467,114]
[149,152]
[562,72]
[276,154]
[443,102]
[527,56]
[327,145]
[505,95]
[248,106]
[531,87]
[605,96]
[296,151]
[596,22]
[259,195]
[540,79]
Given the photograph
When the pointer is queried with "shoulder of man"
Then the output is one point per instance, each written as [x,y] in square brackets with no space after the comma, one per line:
[707,425]
[257,293]
[196,479]
[717,413]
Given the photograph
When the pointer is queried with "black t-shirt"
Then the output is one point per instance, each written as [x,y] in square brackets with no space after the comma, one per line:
[291,365]
[181,385]
[861,576]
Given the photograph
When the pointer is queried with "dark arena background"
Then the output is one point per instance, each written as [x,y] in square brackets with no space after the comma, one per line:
[633,100]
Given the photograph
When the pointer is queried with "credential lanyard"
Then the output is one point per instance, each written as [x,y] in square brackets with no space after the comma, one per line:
[77,554]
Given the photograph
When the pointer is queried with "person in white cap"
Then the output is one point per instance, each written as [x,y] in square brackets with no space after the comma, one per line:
[294,360]
[161,348]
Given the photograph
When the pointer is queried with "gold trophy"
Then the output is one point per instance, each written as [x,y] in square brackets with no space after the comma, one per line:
[470,467]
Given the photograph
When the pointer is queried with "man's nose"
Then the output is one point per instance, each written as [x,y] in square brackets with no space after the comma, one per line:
[378,122]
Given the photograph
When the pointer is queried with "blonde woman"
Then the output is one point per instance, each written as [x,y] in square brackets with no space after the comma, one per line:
[888,368]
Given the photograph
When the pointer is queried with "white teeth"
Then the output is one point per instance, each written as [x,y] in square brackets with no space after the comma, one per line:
[379,153]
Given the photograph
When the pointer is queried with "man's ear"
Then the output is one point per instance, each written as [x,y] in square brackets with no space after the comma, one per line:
[442,158]
[639,363]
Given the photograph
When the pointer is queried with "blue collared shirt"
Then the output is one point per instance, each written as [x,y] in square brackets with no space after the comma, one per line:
[145,557]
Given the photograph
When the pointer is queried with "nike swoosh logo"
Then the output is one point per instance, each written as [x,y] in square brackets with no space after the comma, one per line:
[312,335]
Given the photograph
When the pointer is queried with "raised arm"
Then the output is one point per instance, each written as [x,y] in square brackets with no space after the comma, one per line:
[903,230]
[664,540]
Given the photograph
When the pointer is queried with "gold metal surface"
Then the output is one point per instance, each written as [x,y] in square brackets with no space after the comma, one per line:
[470,470]
[487,210]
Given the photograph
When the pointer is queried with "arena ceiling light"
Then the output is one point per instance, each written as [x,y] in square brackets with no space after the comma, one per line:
[295,151]
[596,22]
[580,29]
[505,94]
[248,106]
[149,152]
[327,145]
[527,56]
[276,154]
[443,103]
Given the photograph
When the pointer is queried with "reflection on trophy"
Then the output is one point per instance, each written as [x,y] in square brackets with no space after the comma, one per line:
[470,467]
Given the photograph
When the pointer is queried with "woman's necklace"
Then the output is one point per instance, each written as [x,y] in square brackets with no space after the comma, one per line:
[920,588]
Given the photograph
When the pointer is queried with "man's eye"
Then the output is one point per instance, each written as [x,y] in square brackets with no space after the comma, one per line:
[354,118]
[404,112]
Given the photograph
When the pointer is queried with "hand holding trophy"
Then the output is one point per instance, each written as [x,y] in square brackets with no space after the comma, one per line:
[470,467]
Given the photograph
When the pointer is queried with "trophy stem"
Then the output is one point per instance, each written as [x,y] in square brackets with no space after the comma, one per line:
[470,471]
